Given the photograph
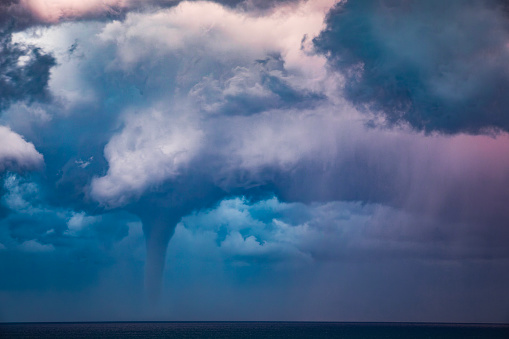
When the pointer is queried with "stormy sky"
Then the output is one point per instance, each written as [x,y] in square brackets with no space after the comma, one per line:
[254,160]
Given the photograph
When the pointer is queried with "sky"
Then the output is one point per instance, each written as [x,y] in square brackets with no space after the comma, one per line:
[328,160]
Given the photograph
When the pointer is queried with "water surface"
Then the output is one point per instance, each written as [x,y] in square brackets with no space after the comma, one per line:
[252,330]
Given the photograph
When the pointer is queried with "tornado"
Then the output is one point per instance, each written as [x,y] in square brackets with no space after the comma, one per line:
[160,212]
[158,228]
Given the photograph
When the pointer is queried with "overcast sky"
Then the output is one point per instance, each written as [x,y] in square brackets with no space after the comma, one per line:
[254,160]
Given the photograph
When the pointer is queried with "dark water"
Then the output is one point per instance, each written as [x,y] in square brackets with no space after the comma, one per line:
[251,330]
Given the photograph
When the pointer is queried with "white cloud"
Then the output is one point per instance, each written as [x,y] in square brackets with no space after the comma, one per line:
[16,153]
[179,47]
[152,147]
[275,231]
[53,11]
[281,138]
[237,230]
[209,30]
[79,221]
[19,194]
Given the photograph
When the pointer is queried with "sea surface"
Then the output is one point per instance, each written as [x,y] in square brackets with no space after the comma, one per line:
[252,330]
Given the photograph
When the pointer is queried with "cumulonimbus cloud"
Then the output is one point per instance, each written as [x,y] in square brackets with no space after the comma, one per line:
[233,47]
[229,124]
[318,152]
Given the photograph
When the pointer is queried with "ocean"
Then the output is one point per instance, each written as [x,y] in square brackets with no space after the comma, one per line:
[252,330]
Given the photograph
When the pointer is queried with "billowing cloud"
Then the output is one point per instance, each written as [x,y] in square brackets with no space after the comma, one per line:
[437,66]
[339,230]
[215,32]
[16,153]
[246,78]
[332,253]
[150,150]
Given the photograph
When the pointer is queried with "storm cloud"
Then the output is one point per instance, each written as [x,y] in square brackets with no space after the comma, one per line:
[258,139]
[437,66]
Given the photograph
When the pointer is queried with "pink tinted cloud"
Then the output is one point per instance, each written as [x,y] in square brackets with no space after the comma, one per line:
[53,11]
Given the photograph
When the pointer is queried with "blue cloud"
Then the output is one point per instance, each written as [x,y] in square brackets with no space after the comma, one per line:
[70,247]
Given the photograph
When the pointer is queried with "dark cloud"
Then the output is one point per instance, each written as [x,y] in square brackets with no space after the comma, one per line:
[438,66]
[11,16]
[24,72]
